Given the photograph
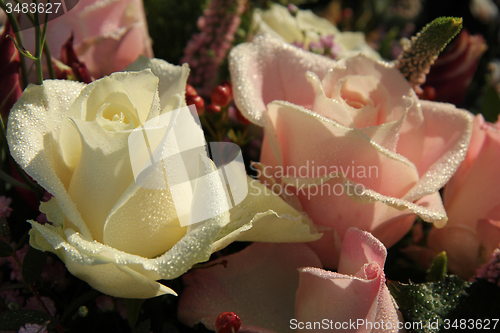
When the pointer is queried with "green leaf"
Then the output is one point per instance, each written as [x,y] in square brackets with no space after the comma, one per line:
[13,320]
[33,264]
[431,303]
[437,271]
[133,308]
[420,53]
[5,249]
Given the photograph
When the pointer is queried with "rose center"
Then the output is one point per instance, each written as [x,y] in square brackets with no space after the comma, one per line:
[371,270]
[353,92]
[115,117]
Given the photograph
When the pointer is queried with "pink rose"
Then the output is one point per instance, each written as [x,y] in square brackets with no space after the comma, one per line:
[269,288]
[472,201]
[348,141]
[108,35]
[452,72]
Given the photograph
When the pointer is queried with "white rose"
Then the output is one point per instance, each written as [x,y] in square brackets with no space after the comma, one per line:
[306,27]
[119,237]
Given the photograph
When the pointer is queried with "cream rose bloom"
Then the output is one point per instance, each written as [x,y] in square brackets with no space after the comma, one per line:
[73,139]
[306,27]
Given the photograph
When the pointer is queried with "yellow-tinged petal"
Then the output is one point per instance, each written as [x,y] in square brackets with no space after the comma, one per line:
[277,222]
[33,126]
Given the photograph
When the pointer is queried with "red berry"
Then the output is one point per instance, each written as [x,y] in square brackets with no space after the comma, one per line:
[212,108]
[221,95]
[227,322]
[190,91]
[197,101]
[228,85]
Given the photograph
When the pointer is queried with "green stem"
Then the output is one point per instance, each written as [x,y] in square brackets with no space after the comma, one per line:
[46,49]
[38,47]
[14,182]
[48,58]
[19,38]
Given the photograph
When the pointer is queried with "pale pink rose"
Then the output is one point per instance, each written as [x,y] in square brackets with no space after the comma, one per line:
[269,288]
[356,117]
[472,201]
[108,34]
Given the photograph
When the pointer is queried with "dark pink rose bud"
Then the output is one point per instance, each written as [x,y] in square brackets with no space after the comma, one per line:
[452,72]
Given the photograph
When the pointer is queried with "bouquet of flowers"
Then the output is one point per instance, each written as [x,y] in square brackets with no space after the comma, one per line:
[249,166]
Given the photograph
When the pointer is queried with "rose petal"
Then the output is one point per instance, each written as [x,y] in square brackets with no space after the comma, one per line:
[172,79]
[488,231]
[106,277]
[395,228]
[170,265]
[365,98]
[31,132]
[349,151]
[276,222]
[268,70]
[343,298]
[438,217]
[447,136]
[462,248]
[258,284]
[306,27]
[117,29]
[479,186]
[104,170]
[476,143]
[352,43]
[399,88]
[326,106]
[360,248]
[117,90]
[278,22]
[134,208]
